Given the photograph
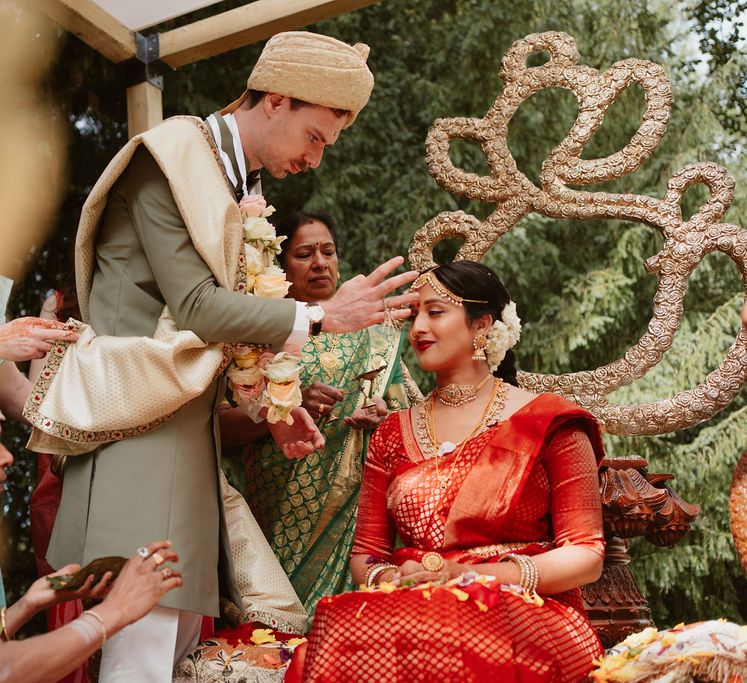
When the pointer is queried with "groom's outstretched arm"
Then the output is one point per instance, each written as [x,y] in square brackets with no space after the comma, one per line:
[187,285]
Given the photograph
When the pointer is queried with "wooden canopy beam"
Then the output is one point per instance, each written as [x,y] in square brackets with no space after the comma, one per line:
[93,25]
[247,24]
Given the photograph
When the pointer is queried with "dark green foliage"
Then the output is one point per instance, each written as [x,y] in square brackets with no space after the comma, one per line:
[581,288]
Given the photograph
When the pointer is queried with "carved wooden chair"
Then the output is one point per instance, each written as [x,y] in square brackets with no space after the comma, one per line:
[635,502]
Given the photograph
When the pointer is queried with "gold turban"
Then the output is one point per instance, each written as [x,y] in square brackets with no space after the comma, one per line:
[313,68]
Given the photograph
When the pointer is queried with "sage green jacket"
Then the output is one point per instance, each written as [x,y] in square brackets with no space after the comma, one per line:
[162,484]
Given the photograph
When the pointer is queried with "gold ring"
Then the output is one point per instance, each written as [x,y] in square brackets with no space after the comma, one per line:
[166,572]
[158,559]
[432,562]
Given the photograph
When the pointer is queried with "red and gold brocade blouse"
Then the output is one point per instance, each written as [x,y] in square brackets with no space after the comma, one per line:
[529,479]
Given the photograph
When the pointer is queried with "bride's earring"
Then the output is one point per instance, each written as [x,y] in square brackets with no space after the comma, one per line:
[479,343]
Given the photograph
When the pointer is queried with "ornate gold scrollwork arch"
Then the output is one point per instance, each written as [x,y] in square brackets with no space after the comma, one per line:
[515,196]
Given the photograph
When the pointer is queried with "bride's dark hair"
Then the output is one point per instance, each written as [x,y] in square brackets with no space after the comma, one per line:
[472,280]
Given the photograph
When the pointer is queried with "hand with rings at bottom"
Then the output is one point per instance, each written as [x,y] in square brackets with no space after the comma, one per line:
[320,399]
[144,580]
[141,584]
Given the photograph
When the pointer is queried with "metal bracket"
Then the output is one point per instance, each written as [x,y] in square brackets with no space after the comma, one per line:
[146,65]
[148,48]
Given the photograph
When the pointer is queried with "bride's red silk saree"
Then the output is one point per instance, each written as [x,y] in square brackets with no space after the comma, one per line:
[529,484]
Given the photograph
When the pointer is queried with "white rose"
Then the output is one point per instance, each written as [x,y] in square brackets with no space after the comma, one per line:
[274,269]
[283,368]
[258,229]
[253,257]
[272,286]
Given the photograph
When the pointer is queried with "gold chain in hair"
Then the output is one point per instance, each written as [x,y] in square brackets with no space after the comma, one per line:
[428,278]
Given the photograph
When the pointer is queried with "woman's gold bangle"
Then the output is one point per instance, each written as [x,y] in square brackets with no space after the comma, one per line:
[101,622]
[375,570]
[4,634]
[528,572]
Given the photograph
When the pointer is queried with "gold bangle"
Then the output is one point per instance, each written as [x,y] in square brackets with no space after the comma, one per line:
[377,569]
[101,621]
[4,634]
[371,567]
[432,562]
[528,572]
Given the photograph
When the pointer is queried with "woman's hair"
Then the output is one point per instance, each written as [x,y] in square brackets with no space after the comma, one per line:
[288,226]
[472,280]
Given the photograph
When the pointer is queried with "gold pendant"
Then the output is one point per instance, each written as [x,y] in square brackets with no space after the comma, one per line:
[329,361]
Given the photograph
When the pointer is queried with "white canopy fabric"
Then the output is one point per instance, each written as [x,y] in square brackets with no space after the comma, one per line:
[139,14]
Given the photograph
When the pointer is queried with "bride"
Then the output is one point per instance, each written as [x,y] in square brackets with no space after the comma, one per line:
[494,494]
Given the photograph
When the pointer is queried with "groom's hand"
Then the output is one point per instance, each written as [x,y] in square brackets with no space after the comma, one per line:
[300,438]
[359,303]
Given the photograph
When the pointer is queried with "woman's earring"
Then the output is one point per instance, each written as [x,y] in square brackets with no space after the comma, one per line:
[479,343]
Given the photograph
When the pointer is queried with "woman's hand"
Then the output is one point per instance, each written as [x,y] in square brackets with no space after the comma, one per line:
[29,338]
[41,596]
[369,417]
[412,571]
[320,399]
[142,583]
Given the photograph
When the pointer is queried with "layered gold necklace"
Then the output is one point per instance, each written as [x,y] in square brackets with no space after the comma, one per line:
[426,429]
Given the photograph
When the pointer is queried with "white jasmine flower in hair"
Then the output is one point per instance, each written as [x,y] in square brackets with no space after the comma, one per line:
[502,336]
[513,323]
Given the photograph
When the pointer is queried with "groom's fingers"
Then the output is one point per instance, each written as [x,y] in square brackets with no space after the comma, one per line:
[377,275]
[394,282]
[399,306]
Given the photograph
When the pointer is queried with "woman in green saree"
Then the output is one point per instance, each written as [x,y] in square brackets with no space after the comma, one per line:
[307,508]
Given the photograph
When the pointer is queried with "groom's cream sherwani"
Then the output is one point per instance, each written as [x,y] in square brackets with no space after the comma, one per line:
[162,483]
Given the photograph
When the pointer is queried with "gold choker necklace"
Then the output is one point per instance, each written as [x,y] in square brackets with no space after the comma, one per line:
[457,394]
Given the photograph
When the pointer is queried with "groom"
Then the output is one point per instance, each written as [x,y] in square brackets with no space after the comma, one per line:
[159,229]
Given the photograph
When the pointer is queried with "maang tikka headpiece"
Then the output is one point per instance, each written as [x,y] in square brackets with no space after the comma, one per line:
[428,278]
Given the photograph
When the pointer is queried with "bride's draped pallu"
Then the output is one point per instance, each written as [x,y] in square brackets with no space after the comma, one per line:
[527,485]
[307,507]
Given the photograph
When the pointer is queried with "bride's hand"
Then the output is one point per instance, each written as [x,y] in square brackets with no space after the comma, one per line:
[300,438]
[412,571]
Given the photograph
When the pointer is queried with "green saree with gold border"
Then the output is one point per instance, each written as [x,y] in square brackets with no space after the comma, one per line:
[307,508]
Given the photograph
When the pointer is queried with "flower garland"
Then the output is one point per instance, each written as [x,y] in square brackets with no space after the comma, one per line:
[502,336]
[258,377]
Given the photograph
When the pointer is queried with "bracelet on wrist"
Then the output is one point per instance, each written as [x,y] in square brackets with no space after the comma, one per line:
[375,570]
[4,634]
[528,573]
[98,618]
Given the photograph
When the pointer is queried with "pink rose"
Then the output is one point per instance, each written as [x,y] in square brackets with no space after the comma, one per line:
[249,393]
[265,359]
[252,205]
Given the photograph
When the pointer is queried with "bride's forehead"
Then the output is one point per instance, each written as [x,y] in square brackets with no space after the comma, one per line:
[428,295]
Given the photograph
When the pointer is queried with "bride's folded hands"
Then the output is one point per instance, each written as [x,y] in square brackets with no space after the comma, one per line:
[414,572]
